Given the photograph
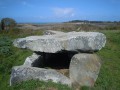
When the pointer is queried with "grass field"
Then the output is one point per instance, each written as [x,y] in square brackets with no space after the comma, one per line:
[109,77]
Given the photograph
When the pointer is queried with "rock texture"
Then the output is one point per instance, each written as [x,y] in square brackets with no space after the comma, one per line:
[72,41]
[84,69]
[22,73]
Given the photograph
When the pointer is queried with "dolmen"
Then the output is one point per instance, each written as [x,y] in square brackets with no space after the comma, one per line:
[76,48]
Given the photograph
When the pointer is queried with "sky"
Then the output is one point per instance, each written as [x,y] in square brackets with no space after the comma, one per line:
[60,10]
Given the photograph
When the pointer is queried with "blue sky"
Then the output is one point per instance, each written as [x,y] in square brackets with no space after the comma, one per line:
[60,10]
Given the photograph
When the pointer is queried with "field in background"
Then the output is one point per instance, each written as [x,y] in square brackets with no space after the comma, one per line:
[10,56]
[78,26]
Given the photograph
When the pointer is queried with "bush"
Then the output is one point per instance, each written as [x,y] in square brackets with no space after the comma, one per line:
[5,46]
[8,23]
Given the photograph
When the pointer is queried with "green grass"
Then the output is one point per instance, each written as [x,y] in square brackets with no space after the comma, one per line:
[109,77]
[40,85]
[9,57]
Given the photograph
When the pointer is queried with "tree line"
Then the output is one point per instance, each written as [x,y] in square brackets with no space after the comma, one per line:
[7,24]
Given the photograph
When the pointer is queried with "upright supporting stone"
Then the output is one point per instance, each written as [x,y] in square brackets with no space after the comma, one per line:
[84,69]
[34,60]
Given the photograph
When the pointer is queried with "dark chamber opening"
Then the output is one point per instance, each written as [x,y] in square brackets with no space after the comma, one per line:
[60,60]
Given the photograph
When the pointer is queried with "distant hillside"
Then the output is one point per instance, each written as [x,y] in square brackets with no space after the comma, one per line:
[87,21]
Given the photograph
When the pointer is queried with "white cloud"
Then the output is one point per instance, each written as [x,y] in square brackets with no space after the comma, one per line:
[64,12]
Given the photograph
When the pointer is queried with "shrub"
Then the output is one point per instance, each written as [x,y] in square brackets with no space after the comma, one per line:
[5,45]
[8,23]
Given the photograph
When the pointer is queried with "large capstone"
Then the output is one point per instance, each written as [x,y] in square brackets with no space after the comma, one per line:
[72,41]
[23,73]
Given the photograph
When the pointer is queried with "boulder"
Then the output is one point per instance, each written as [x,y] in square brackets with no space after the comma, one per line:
[72,41]
[34,60]
[84,69]
[23,73]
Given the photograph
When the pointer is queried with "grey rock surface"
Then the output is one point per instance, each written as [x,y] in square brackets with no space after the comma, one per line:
[22,73]
[34,60]
[72,41]
[84,69]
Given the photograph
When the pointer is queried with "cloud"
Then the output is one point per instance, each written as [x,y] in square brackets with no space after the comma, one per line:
[64,12]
